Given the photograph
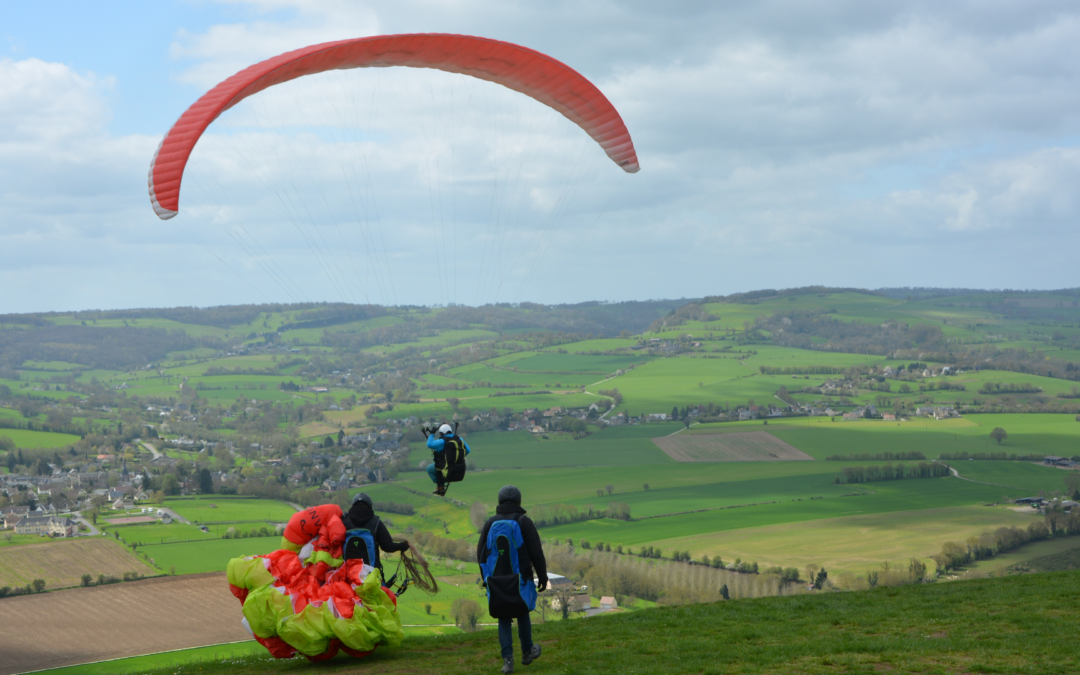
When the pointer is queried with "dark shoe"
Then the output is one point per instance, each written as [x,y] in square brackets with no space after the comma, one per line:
[508,665]
[533,654]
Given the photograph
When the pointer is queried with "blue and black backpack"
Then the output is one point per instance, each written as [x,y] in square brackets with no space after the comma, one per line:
[360,543]
[509,595]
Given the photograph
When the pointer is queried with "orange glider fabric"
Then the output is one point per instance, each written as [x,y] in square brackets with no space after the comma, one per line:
[524,70]
[311,522]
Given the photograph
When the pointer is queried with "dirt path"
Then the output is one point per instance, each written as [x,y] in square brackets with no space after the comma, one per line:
[972,480]
[82,625]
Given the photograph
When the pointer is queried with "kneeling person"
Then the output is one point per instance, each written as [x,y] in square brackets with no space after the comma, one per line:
[362,516]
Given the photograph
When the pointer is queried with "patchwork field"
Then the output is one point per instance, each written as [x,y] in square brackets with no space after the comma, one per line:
[62,563]
[139,617]
[751,446]
[854,543]
[701,532]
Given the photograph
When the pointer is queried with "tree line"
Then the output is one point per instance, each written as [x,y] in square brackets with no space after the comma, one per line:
[802,370]
[1009,388]
[1006,456]
[558,514]
[877,457]
[874,474]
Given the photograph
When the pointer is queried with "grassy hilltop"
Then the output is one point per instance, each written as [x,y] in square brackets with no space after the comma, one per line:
[1016,625]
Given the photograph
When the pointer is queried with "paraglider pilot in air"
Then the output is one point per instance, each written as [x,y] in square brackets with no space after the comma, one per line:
[449,451]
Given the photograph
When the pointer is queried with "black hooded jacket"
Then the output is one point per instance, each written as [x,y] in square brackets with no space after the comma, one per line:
[531,555]
[360,514]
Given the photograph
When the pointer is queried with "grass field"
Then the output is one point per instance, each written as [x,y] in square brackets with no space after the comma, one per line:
[1021,475]
[751,446]
[557,485]
[980,626]
[1028,557]
[156,533]
[207,556]
[854,543]
[516,454]
[62,563]
[209,509]
[820,437]
[574,363]
[1063,560]
[888,497]
[38,439]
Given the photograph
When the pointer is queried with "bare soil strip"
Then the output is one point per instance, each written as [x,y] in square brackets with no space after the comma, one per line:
[751,446]
[62,563]
[83,625]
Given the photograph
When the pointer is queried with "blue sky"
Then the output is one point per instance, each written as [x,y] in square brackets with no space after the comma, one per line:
[782,144]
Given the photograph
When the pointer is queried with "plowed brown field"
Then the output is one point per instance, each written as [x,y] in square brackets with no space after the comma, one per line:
[62,563]
[82,625]
[751,446]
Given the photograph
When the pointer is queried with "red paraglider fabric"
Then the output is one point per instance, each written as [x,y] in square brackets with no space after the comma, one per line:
[524,70]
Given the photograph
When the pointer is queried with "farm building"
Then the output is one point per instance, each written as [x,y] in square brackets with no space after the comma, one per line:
[1054,460]
[578,603]
[556,581]
[46,525]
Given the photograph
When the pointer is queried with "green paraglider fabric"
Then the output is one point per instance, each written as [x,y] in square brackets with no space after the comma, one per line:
[309,631]
[249,572]
[379,624]
[306,604]
[264,609]
[324,556]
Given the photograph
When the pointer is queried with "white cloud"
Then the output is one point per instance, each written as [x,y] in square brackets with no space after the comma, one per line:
[775,138]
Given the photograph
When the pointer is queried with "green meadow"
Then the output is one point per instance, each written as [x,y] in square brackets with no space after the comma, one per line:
[856,544]
[24,438]
[982,626]
[872,498]
[208,509]
[207,556]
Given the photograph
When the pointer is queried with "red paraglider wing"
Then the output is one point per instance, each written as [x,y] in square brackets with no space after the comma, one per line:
[541,77]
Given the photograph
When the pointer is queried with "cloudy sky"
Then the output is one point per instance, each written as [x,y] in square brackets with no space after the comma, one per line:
[781,143]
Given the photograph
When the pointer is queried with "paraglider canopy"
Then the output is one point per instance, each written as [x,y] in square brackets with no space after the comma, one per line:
[524,70]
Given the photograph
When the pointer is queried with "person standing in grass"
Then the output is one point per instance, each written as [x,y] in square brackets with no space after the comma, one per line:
[508,551]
